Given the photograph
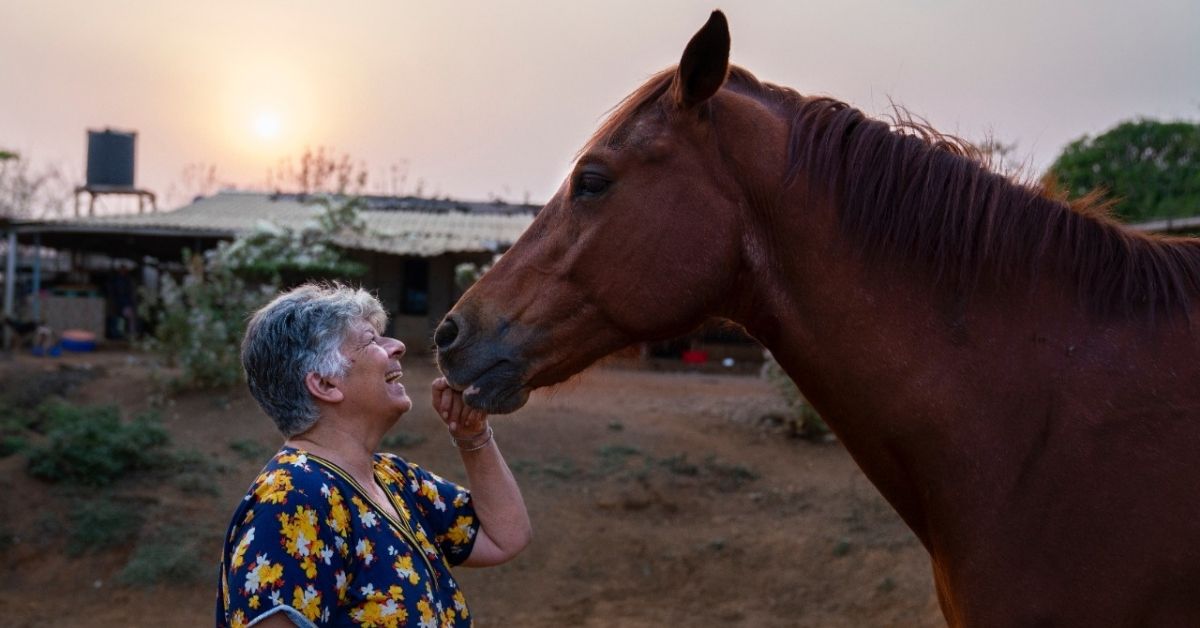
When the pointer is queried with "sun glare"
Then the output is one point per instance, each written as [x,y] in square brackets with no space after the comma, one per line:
[267,125]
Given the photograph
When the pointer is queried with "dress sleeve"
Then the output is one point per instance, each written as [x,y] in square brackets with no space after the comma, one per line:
[448,509]
[287,554]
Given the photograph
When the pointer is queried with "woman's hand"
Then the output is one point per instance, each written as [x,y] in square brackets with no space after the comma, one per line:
[463,421]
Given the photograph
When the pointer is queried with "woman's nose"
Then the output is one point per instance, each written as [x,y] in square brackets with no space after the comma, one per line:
[399,349]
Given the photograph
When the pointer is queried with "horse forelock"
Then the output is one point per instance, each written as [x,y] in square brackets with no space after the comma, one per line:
[614,131]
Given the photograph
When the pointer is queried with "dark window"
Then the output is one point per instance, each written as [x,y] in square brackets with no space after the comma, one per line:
[416,287]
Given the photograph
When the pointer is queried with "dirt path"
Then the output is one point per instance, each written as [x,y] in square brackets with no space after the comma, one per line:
[656,498]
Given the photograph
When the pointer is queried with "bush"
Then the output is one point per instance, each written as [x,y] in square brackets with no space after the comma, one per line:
[402,440]
[100,524]
[198,323]
[169,556]
[90,445]
[251,449]
[11,444]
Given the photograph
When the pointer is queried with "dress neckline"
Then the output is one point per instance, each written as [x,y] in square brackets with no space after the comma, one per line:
[400,524]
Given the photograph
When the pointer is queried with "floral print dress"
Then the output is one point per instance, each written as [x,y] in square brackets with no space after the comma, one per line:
[307,541]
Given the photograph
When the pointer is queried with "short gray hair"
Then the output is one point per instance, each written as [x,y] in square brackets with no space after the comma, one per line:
[300,332]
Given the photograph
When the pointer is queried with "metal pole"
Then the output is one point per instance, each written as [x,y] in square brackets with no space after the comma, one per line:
[37,278]
[10,283]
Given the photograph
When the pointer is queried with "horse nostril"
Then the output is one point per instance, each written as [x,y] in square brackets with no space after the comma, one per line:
[446,333]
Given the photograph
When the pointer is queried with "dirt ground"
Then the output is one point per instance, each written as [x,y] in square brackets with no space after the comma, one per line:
[657,498]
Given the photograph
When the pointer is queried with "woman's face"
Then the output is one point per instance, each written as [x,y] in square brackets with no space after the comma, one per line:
[372,382]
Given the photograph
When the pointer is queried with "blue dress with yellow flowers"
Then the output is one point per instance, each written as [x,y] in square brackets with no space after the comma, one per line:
[307,541]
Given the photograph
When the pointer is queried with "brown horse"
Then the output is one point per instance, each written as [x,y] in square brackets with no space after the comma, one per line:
[1018,376]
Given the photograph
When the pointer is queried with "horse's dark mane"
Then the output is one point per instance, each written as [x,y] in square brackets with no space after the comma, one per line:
[908,194]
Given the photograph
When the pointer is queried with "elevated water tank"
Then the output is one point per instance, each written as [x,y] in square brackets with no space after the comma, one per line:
[110,158]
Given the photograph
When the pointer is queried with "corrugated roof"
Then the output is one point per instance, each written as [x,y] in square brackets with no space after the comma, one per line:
[398,232]
[1169,225]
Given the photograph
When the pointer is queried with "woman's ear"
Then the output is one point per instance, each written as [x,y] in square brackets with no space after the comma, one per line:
[323,388]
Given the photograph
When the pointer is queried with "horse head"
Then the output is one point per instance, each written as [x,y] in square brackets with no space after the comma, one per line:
[641,242]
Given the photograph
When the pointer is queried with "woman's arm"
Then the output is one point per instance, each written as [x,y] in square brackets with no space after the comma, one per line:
[278,620]
[504,528]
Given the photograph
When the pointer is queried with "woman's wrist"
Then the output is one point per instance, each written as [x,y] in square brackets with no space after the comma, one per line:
[473,442]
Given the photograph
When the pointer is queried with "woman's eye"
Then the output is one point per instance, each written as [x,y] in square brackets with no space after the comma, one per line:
[591,184]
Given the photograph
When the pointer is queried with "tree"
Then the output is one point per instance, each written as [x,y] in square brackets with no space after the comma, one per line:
[29,192]
[321,171]
[1150,169]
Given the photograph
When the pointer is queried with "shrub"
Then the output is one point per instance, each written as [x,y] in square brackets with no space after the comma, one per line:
[90,445]
[11,444]
[100,524]
[171,555]
[402,439]
[199,322]
[251,449]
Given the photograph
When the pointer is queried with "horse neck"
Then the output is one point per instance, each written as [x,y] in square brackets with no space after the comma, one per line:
[879,354]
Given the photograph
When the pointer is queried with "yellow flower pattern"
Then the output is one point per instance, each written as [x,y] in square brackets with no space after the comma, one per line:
[307,539]
[273,487]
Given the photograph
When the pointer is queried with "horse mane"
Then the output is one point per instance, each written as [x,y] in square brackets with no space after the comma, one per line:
[910,195]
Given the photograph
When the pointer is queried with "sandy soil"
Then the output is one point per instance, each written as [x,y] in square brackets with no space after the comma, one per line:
[657,499]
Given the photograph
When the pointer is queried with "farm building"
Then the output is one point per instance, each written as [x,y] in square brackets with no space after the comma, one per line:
[79,273]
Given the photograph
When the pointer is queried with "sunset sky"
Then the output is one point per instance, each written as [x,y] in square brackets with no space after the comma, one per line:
[476,99]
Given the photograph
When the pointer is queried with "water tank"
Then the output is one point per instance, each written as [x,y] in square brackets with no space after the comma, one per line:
[110,158]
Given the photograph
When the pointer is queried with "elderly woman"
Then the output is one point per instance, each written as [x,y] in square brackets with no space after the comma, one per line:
[332,533]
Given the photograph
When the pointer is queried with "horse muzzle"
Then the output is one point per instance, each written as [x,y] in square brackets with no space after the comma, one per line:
[482,364]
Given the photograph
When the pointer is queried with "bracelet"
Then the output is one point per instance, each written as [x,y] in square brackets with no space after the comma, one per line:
[473,443]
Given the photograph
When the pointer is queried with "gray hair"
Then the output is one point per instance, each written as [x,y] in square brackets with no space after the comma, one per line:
[300,332]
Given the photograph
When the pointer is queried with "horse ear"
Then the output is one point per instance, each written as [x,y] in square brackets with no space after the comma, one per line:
[705,63]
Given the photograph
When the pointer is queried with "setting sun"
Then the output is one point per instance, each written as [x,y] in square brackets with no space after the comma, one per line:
[267,125]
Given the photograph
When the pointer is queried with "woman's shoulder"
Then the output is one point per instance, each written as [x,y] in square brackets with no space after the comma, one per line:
[290,476]
[404,471]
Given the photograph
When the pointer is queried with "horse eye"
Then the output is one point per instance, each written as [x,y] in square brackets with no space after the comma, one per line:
[590,184]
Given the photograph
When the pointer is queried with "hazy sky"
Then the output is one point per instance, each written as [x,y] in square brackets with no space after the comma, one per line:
[482,99]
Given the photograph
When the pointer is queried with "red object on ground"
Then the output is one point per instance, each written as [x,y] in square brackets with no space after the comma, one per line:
[694,357]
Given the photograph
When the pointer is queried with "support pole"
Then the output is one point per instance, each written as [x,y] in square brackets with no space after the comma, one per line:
[10,284]
[37,278]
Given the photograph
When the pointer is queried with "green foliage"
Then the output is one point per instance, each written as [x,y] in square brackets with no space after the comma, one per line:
[679,465]
[250,449]
[729,477]
[555,469]
[194,472]
[199,323]
[1150,169]
[100,524]
[20,396]
[804,420]
[614,457]
[91,446]
[171,555]
[466,274]
[11,444]
[281,255]
[401,439]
